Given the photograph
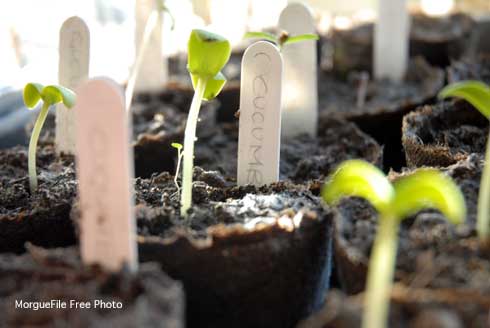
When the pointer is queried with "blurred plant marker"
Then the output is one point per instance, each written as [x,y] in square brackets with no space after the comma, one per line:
[391,40]
[150,69]
[105,171]
[300,96]
[74,52]
[259,139]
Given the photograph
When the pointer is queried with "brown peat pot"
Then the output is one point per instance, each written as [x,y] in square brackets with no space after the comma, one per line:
[147,298]
[444,133]
[247,257]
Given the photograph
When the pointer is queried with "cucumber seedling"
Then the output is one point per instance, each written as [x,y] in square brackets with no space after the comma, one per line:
[477,94]
[422,189]
[207,55]
[49,95]
[282,39]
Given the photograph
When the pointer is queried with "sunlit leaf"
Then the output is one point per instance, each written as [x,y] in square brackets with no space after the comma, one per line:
[207,53]
[361,179]
[54,94]
[475,92]
[177,145]
[301,37]
[213,86]
[261,35]
[32,94]
[428,188]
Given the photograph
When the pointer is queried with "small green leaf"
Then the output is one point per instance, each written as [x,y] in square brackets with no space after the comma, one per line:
[207,53]
[475,92]
[176,145]
[428,188]
[32,94]
[213,86]
[54,94]
[301,37]
[360,179]
[261,35]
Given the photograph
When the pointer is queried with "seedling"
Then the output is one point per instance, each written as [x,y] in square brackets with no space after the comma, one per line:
[282,39]
[177,146]
[477,94]
[49,95]
[153,22]
[424,188]
[207,55]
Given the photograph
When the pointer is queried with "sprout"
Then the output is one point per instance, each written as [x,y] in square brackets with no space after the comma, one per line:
[477,94]
[282,39]
[179,147]
[153,22]
[207,55]
[50,95]
[424,188]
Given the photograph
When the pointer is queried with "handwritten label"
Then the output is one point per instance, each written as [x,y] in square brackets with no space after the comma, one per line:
[74,51]
[153,72]
[391,40]
[105,171]
[259,139]
[300,96]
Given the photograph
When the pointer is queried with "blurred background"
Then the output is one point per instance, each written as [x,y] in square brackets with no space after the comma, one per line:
[29,28]
[29,34]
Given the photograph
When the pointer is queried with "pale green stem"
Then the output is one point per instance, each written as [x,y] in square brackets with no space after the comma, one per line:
[179,160]
[151,24]
[380,275]
[33,145]
[483,216]
[189,139]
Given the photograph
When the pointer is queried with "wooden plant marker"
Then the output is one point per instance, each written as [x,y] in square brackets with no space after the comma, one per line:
[153,71]
[300,95]
[259,136]
[391,40]
[105,171]
[74,52]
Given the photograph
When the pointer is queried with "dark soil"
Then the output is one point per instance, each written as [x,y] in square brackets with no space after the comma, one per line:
[438,40]
[442,134]
[303,158]
[248,257]
[470,69]
[41,218]
[149,298]
[432,252]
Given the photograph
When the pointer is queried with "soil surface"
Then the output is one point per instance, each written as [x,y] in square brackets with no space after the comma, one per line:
[409,308]
[41,218]
[442,134]
[302,158]
[432,252]
[149,298]
[470,69]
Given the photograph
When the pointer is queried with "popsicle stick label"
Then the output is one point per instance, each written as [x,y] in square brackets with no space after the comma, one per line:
[153,71]
[300,96]
[391,40]
[74,52]
[259,138]
[105,171]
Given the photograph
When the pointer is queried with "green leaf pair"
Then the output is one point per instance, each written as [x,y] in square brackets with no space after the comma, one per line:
[50,95]
[207,55]
[281,40]
[424,188]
